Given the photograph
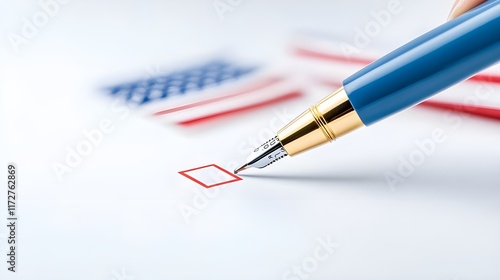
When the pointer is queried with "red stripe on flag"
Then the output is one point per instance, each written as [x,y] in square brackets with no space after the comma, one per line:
[485,112]
[258,86]
[281,98]
[333,84]
[331,57]
[488,78]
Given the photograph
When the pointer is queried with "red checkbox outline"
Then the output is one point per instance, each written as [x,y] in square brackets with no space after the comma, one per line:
[236,178]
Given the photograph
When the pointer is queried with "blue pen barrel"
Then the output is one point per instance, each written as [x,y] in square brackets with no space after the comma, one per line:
[427,65]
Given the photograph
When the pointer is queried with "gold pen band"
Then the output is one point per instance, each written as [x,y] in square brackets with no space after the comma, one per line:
[330,118]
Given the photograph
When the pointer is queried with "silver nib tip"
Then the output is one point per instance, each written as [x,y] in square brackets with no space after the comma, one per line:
[241,168]
[268,153]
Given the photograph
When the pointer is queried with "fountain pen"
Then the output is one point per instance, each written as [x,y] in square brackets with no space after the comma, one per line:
[401,79]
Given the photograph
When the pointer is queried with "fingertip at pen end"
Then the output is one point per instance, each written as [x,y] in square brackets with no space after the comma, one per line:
[461,6]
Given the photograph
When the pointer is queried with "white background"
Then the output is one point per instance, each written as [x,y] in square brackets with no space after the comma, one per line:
[118,211]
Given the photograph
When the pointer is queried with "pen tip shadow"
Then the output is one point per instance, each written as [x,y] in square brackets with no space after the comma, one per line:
[316,178]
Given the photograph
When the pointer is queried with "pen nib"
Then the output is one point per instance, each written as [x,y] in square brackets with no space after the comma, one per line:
[266,154]
[241,168]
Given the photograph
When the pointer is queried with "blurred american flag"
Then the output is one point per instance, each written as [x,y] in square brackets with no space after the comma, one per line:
[218,89]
